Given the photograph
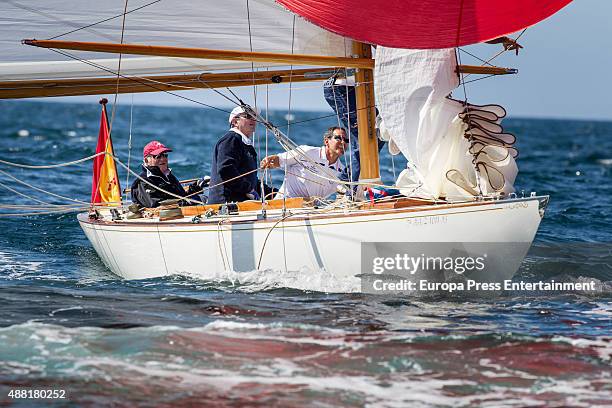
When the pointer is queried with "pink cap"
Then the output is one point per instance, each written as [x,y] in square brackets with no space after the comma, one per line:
[154,148]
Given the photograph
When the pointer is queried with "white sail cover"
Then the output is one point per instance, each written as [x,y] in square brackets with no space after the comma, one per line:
[412,89]
[216,24]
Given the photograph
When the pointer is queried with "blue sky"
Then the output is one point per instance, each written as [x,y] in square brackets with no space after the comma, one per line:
[564,72]
[564,69]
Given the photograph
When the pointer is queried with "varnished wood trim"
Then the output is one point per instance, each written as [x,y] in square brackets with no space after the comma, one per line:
[97,86]
[366,116]
[314,217]
[205,53]
[485,70]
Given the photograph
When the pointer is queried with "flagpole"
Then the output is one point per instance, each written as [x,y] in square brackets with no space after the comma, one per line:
[104,169]
[103,102]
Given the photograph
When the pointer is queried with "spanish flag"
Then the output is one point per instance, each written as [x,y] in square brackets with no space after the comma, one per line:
[105,189]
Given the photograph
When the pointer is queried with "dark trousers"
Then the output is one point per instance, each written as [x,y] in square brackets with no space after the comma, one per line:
[341,98]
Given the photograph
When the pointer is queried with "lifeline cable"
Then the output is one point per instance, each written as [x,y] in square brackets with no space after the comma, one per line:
[41,190]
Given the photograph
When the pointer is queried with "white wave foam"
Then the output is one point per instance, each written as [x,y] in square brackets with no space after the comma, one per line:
[603,346]
[605,162]
[602,309]
[304,279]
[285,332]
[234,325]
[86,139]
[64,309]
[13,268]
[93,353]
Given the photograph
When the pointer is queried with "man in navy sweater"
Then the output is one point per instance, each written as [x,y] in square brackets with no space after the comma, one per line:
[159,177]
[234,162]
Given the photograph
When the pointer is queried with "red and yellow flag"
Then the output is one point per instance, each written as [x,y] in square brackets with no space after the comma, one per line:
[105,187]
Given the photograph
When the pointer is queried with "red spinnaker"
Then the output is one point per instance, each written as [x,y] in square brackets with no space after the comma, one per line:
[424,24]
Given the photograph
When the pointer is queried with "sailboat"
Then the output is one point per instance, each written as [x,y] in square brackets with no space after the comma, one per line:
[457,192]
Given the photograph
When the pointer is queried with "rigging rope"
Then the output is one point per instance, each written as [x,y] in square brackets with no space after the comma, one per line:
[469,132]
[350,131]
[127,176]
[288,117]
[110,127]
[41,190]
[42,212]
[211,88]
[101,21]
[256,139]
[266,172]
[142,81]
[51,166]
[488,62]
[117,161]
[109,140]
[24,195]
[35,207]
[151,84]
[52,17]
[462,81]
[350,160]
[61,208]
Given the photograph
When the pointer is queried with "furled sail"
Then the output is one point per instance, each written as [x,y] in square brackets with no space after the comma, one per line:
[424,24]
[223,25]
[454,150]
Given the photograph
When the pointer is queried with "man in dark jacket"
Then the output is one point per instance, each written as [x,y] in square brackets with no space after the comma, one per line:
[156,171]
[233,173]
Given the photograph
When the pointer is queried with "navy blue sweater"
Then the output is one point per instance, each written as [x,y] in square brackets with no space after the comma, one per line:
[147,196]
[231,158]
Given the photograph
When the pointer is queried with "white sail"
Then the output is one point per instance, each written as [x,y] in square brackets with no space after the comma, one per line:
[257,25]
[430,129]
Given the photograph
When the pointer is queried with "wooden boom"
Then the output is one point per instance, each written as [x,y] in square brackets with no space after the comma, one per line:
[204,53]
[485,70]
[97,86]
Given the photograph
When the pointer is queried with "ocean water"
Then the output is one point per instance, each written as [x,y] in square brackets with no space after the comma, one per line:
[267,338]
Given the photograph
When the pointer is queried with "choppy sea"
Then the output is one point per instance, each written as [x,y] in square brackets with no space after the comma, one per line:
[267,338]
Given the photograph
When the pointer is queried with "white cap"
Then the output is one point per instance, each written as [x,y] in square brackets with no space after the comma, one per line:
[235,112]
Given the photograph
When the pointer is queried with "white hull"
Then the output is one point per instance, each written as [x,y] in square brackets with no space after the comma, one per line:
[147,248]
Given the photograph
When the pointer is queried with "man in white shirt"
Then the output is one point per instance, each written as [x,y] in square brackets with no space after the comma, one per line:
[306,177]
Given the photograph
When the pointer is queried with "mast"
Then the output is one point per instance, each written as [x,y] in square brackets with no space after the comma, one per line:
[366,117]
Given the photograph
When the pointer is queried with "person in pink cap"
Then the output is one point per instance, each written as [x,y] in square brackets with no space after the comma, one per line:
[155,170]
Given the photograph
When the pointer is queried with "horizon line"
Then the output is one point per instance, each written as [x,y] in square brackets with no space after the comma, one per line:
[274,109]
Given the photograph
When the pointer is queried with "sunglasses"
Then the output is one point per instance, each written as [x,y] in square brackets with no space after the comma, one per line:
[340,138]
[159,156]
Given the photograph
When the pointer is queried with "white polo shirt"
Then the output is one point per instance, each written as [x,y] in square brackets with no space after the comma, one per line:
[301,178]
